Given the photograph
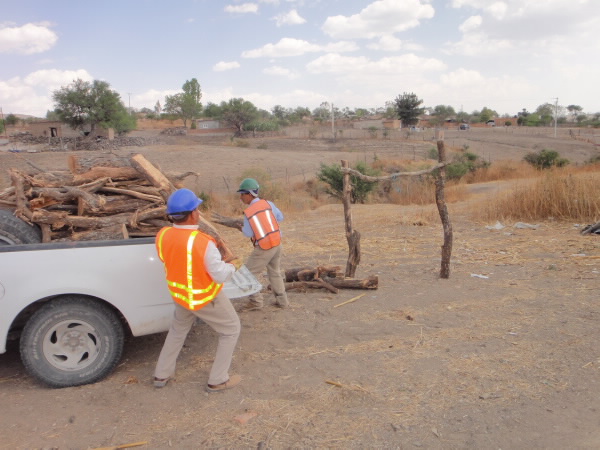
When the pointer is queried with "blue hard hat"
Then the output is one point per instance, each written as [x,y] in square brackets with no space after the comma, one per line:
[182,201]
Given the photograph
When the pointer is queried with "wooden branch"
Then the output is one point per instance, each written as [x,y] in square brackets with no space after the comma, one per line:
[303,285]
[230,222]
[591,228]
[133,193]
[393,176]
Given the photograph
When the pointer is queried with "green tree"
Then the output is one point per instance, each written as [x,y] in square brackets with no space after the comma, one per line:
[332,175]
[94,104]
[11,119]
[574,111]
[238,112]
[545,159]
[212,111]
[185,105]
[408,108]
[123,122]
[486,114]
[444,112]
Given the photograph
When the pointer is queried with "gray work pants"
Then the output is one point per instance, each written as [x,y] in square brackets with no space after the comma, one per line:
[270,259]
[221,317]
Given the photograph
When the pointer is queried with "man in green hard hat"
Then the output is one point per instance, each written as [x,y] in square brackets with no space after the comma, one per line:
[261,225]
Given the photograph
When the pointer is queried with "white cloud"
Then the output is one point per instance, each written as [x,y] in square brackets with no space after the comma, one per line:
[280,72]
[33,94]
[291,99]
[290,18]
[53,79]
[149,98]
[348,65]
[242,9]
[471,24]
[27,39]
[387,44]
[380,18]
[222,66]
[296,47]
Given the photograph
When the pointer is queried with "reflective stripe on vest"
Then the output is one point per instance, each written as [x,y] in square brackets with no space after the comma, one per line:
[264,224]
[185,293]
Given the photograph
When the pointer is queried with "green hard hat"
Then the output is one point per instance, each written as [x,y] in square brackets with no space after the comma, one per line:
[248,184]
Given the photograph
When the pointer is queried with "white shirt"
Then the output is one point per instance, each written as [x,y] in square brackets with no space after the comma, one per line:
[219,270]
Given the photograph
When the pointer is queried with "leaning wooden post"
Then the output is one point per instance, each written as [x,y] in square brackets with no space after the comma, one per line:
[352,236]
[443,210]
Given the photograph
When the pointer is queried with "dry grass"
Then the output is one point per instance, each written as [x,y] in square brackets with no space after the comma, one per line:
[501,170]
[565,194]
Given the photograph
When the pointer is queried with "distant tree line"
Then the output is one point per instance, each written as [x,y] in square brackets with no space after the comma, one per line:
[87,105]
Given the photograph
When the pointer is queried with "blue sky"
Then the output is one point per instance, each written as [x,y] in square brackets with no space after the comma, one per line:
[506,55]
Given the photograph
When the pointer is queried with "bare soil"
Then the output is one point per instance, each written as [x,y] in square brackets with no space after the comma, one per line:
[503,354]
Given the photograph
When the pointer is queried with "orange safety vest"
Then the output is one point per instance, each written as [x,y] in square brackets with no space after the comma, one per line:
[182,252]
[263,224]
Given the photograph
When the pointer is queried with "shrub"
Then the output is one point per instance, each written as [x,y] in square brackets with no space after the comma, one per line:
[262,146]
[464,163]
[373,132]
[333,176]
[545,159]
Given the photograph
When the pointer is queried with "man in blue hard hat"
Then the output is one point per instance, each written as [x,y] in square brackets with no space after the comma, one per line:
[195,274]
[261,225]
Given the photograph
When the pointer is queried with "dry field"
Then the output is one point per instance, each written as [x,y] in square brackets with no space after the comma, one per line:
[503,354]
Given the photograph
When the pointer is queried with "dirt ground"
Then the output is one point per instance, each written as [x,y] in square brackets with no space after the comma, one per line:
[503,354]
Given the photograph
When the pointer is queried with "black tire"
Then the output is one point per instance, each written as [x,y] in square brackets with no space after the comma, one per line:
[15,231]
[72,341]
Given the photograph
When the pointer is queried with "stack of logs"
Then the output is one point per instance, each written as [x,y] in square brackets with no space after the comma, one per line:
[101,197]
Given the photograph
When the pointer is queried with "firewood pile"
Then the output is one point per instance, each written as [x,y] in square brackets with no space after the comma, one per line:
[100,197]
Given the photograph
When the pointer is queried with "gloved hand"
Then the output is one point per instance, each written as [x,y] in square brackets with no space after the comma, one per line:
[237,262]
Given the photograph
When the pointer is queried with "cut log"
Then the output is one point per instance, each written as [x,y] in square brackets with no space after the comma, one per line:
[153,175]
[114,173]
[79,164]
[118,231]
[23,211]
[316,284]
[308,274]
[371,282]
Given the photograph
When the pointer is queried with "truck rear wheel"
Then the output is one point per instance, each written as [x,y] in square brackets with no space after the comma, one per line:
[15,231]
[72,341]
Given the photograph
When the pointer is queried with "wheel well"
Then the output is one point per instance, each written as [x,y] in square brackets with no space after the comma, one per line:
[17,326]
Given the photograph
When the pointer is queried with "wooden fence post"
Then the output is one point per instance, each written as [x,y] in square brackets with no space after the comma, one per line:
[443,211]
[352,236]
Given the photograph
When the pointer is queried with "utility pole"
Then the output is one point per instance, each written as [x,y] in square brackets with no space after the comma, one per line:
[129,95]
[555,114]
[332,123]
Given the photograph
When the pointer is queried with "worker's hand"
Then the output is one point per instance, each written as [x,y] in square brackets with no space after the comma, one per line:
[237,262]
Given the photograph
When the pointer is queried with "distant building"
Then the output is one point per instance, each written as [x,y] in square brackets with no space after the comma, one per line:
[208,124]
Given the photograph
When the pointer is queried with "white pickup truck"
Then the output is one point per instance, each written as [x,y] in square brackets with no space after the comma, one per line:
[72,303]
